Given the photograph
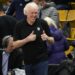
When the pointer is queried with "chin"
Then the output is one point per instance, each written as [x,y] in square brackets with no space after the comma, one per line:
[33,20]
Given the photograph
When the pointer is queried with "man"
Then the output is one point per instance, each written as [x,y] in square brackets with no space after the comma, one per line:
[16,8]
[7,24]
[48,9]
[9,59]
[32,34]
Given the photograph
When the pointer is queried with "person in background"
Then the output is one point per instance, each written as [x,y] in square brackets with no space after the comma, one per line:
[58,48]
[56,51]
[6,5]
[16,8]
[7,24]
[62,4]
[9,58]
[48,9]
[31,35]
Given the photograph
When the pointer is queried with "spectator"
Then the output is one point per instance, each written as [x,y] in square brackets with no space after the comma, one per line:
[58,48]
[57,54]
[7,24]
[6,5]
[48,10]
[32,34]
[9,59]
[64,5]
[16,8]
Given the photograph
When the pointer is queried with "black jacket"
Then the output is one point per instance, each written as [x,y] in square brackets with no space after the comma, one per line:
[15,60]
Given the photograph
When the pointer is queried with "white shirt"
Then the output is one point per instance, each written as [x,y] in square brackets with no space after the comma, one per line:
[5,57]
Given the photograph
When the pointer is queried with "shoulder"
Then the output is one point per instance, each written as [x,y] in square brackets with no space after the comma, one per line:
[7,20]
[44,25]
[20,24]
[41,20]
[44,22]
[52,8]
[7,17]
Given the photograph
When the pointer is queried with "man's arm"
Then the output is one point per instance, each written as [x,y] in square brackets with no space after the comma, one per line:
[19,43]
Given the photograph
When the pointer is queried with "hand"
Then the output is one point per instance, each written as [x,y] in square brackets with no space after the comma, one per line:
[47,38]
[51,39]
[31,37]
[44,36]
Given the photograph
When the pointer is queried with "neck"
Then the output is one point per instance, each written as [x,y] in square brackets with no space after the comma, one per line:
[30,22]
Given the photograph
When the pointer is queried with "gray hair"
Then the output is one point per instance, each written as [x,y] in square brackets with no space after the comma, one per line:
[5,41]
[29,6]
